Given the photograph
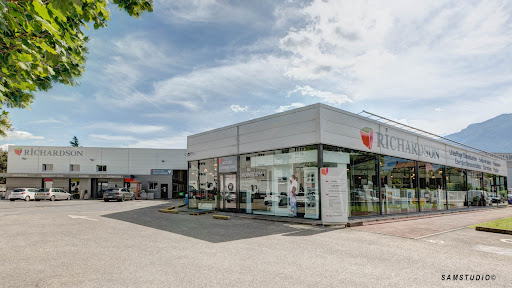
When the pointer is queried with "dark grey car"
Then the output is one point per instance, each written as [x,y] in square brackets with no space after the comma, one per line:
[119,194]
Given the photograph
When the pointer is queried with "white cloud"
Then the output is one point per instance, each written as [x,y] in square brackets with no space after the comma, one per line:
[21,135]
[438,109]
[47,121]
[5,147]
[106,137]
[288,107]
[203,88]
[326,96]
[211,11]
[238,108]
[396,49]
[126,127]
[179,141]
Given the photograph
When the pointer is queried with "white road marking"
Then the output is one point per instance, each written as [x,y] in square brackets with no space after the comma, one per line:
[82,217]
[436,241]
[304,227]
[492,249]
[439,233]
[506,241]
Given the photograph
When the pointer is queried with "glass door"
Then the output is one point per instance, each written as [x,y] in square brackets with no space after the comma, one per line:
[228,192]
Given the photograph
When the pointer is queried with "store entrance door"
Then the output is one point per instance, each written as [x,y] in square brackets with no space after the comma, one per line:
[102,187]
[164,189]
[228,192]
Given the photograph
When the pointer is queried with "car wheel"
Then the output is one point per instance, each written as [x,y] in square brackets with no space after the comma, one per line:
[106,200]
[27,198]
[133,198]
[52,198]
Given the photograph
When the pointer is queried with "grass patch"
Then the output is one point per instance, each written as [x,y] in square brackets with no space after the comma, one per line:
[505,223]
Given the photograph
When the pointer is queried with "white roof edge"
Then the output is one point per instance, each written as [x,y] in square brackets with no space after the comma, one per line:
[308,107]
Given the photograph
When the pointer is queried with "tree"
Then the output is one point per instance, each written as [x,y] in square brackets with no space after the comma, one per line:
[42,43]
[74,142]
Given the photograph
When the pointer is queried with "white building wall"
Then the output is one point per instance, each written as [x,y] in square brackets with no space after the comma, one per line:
[324,124]
[292,128]
[215,143]
[124,161]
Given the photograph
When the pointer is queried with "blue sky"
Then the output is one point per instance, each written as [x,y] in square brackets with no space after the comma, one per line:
[195,65]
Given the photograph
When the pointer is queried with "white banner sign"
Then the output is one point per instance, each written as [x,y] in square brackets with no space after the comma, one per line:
[334,197]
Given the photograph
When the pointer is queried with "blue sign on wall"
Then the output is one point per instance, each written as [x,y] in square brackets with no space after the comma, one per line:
[161,171]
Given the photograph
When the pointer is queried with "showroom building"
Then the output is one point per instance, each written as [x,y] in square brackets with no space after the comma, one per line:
[253,167]
[508,158]
[93,170]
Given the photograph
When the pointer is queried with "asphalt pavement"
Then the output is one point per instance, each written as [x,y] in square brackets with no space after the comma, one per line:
[130,244]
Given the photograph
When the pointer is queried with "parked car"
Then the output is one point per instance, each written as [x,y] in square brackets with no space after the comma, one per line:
[26,194]
[119,194]
[281,199]
[497,199]
[230,197]
[509,196]
[52,194]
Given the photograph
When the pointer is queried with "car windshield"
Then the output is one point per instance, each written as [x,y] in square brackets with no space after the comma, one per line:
[43,190]
[111,190]
[18,190]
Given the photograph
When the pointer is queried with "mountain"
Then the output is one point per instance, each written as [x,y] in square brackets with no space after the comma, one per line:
[493,135]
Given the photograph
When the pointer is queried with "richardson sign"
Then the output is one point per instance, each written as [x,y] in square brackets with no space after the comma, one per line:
[386,141]
[47,152]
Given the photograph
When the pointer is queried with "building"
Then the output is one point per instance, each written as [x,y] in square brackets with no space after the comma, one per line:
[250,167]
[93,170]
[508,157]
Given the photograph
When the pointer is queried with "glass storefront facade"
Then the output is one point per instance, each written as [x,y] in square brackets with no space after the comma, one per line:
[268,180]
[285,182]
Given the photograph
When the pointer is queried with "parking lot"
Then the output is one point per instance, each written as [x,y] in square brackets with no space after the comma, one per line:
[130,244]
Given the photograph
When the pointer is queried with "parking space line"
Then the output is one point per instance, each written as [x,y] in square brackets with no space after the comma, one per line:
[425,236]
[492,249]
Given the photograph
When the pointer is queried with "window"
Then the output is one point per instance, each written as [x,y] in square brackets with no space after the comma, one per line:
[74,168]
[47,167]
[101,168]
[267,179]
[153,185]
[361,176]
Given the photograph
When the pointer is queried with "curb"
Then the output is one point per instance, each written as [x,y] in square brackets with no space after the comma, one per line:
[493,230]
[221,217]
[168,211]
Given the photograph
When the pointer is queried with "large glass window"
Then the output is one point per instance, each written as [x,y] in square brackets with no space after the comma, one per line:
[207,196]
[281,182]
[398,185]
[432,192]
[456,186]
[193,183]
[476,195]
[361,175]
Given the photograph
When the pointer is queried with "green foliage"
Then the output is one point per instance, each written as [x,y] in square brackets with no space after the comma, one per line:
[74,142]
[42,43]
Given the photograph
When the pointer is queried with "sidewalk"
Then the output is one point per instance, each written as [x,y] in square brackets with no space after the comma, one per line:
[354,221]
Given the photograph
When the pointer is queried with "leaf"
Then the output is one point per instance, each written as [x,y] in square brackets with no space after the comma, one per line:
[57,12]
[25,57]
[45,46]
[41,10]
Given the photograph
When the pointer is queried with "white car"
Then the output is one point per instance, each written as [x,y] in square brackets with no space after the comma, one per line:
[26,194]
[52,194]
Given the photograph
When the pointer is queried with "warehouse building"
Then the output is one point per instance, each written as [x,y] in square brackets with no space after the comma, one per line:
[93,170]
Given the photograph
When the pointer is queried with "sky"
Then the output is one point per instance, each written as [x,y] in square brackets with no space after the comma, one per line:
[195,65]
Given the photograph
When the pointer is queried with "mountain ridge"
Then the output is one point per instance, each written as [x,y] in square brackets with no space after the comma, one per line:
[493,135]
